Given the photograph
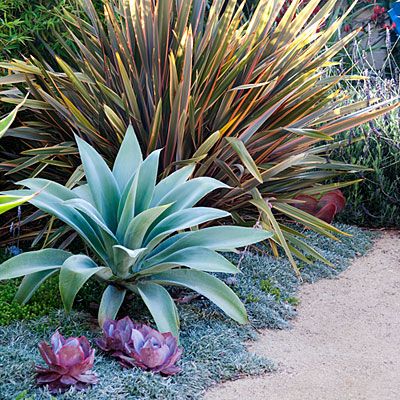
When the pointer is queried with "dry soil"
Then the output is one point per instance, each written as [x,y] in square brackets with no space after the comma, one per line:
[345,342]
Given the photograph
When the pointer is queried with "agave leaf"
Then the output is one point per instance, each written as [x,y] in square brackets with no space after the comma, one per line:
[184,219]
[138,227]
[51,200]
[161,307]
[110,303]
[128,159]
[147,182]
[34,261]
[74,273]
[200,258]
[190,192]
[124,259]
[30,283]
[102,184]
[172,181]
[218,238]
[208,286]
[138,194]
[90,212]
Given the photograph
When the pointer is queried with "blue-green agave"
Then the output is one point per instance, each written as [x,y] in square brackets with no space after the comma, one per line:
[143,236]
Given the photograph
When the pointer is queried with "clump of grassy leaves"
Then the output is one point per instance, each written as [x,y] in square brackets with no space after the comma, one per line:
[214,345]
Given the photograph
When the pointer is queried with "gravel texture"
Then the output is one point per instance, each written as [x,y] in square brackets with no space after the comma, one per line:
[345,342]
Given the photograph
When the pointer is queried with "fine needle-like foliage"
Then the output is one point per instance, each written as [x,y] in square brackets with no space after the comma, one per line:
[139,233]
[246,99]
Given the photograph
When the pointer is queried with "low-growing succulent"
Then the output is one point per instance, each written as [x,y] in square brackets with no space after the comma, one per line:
[116,334]
[69,363]
[141,346]
[325,208]
[143,235]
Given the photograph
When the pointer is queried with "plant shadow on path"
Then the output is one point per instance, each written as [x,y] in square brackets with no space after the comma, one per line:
[214,347]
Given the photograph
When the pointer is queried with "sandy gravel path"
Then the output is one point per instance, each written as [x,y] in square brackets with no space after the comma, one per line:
[345,343]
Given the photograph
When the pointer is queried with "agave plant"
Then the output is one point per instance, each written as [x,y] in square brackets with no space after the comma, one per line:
[69,363]
[248,100]
[137,231]
[141,346]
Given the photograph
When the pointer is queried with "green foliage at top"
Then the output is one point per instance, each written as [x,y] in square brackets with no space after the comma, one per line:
[143,235]
[21,21]
[246,99]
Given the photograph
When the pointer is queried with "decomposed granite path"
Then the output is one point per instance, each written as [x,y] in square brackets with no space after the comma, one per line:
[345,342]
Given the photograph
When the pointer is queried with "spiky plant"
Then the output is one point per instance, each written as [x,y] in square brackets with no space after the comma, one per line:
[139,235]
[246,99]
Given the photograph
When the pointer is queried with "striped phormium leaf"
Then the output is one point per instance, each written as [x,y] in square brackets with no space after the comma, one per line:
[246,99]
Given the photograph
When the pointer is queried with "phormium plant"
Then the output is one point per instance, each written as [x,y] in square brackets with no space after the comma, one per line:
[246,99]
[137,232]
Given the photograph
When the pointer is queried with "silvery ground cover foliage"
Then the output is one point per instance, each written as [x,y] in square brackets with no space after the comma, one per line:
[214,347]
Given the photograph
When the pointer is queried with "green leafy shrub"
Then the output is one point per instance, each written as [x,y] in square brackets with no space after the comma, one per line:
[22,21]
[144,235]
[45,300]
[375,202]
[246,100]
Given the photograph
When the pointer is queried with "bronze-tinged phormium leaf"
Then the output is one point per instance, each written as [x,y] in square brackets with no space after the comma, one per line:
[181,71]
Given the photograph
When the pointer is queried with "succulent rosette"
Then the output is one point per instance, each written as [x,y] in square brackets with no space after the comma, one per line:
[330,204]
[143,347]
[69,363]
[116,334]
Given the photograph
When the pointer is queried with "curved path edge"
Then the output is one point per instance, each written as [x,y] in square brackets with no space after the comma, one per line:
[345,342]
